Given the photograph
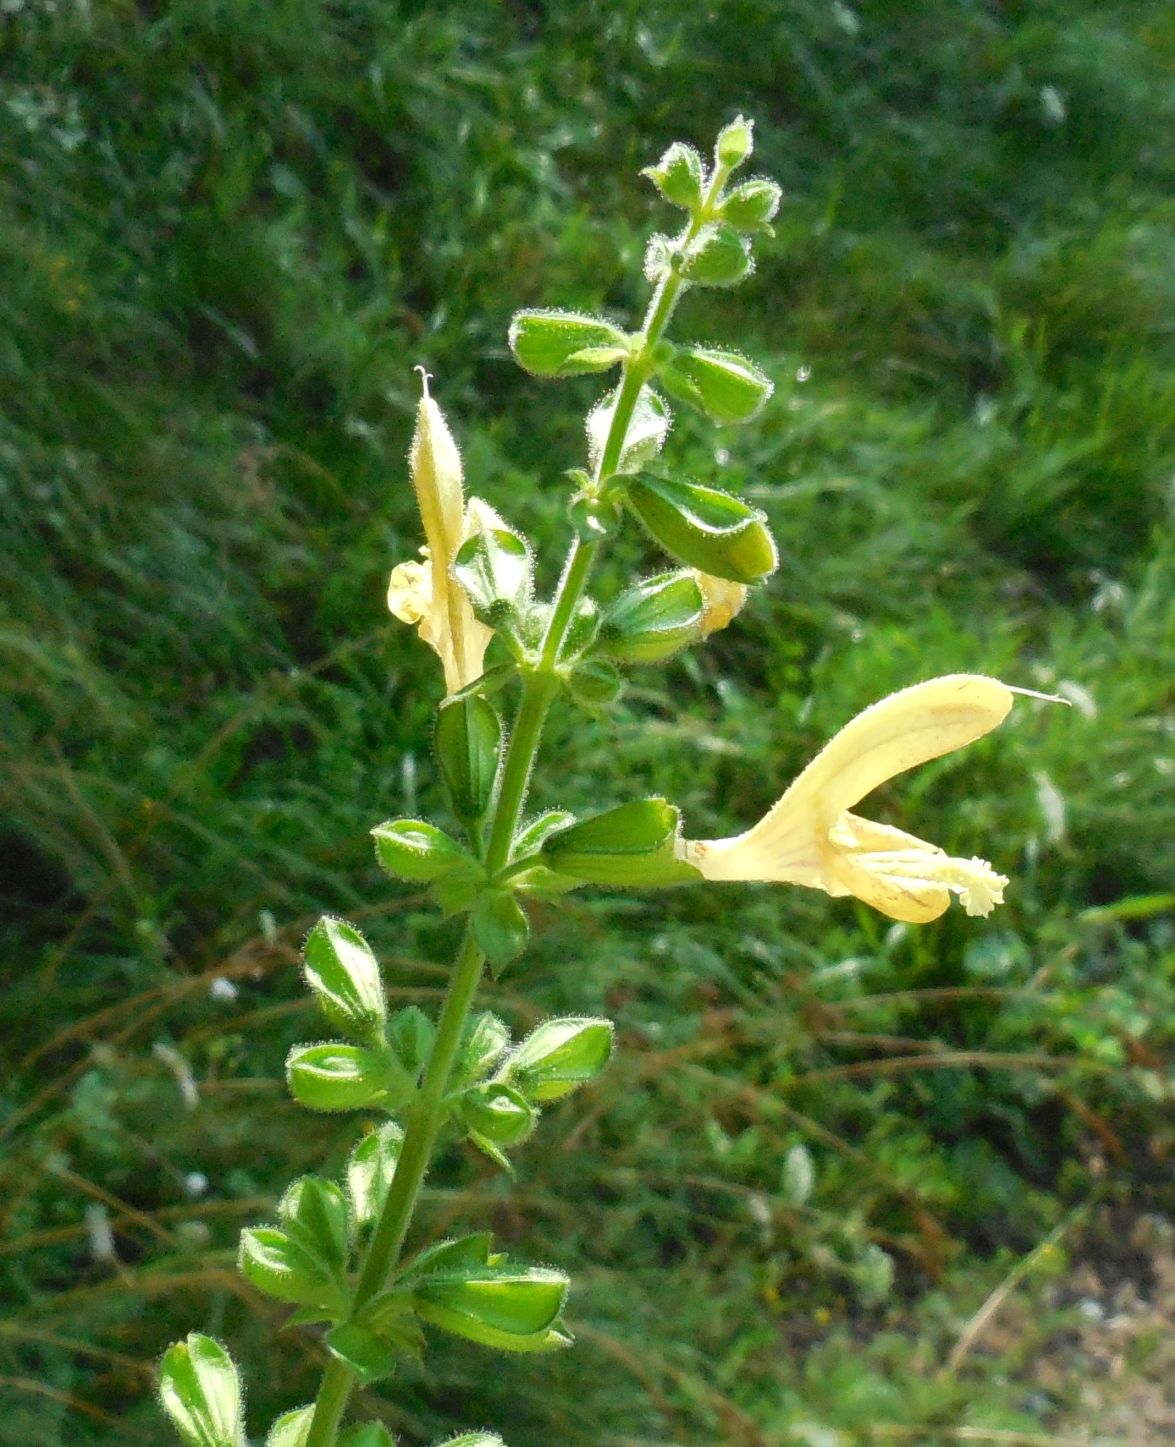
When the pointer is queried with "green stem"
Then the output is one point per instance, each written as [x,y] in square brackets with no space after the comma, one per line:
[540,685]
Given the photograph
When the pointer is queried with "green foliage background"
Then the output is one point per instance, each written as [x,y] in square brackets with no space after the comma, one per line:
[228,232]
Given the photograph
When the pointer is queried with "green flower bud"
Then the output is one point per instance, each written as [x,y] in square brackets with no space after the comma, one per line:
[717,256]
[704,528]
[344,975]
[285,1268]
[510,1306]
[652,620]
[314,1212]
[201,1393]
[413,850]
[594,683]
[337,1077]
[735,143]
[679,176]
[723,385]
[371,1360]
[559,1057]
[565,344]
[370,1171]
[291,1429]
[633,845]
[496,1113]
[752,206]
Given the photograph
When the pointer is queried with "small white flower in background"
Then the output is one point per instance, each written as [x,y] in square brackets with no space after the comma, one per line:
[423,594]
[810,838]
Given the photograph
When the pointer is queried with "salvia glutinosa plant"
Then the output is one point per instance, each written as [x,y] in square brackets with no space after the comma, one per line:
[337,1249]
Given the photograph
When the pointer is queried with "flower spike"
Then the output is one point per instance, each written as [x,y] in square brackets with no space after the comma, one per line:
[811,838]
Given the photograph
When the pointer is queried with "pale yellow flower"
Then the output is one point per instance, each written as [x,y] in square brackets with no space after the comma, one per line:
[424,594]
[810,837]
[722,601]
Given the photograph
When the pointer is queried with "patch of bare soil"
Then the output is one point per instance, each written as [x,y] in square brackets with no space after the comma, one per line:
[1122,1349]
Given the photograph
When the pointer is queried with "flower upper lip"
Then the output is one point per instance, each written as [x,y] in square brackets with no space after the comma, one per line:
[811,838]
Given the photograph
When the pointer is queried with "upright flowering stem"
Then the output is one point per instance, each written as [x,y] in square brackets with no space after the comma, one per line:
[540,685]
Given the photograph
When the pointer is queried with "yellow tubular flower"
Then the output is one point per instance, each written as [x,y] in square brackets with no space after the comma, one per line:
[810,837]
[423,594]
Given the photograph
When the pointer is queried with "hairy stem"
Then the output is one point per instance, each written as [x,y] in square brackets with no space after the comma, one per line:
[540,685]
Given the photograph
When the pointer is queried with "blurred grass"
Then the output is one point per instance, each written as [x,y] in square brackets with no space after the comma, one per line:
[228,231]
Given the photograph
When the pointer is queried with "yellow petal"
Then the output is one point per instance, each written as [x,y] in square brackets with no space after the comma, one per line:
[410,591]
[722,601]
[904,876]
[898,733]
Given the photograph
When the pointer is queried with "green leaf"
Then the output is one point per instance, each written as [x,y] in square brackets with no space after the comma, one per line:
[201,1393]
[500,927]
[367,1434]
[717,256]
[652,620]
[644,436]
[283,1267]
[360,1349]
[705,528]
[344,975]
[466,1255]
[496,1112]
[565,344]
[594,683]
[314,1212]
[413,850]
[633,845]
[371,1169]
[291,1429]
[679,176]
[410,1034]
[341,1077]
[468,738]
[752,206]
[473,1439]
[486,1042]
[559,1057]
[723,385]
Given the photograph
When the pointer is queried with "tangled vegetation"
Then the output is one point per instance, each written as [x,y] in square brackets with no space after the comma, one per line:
[229,233]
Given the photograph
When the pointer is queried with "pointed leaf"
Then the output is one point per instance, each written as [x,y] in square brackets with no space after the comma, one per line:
[360,1349]
[468,738]
[371,1169]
